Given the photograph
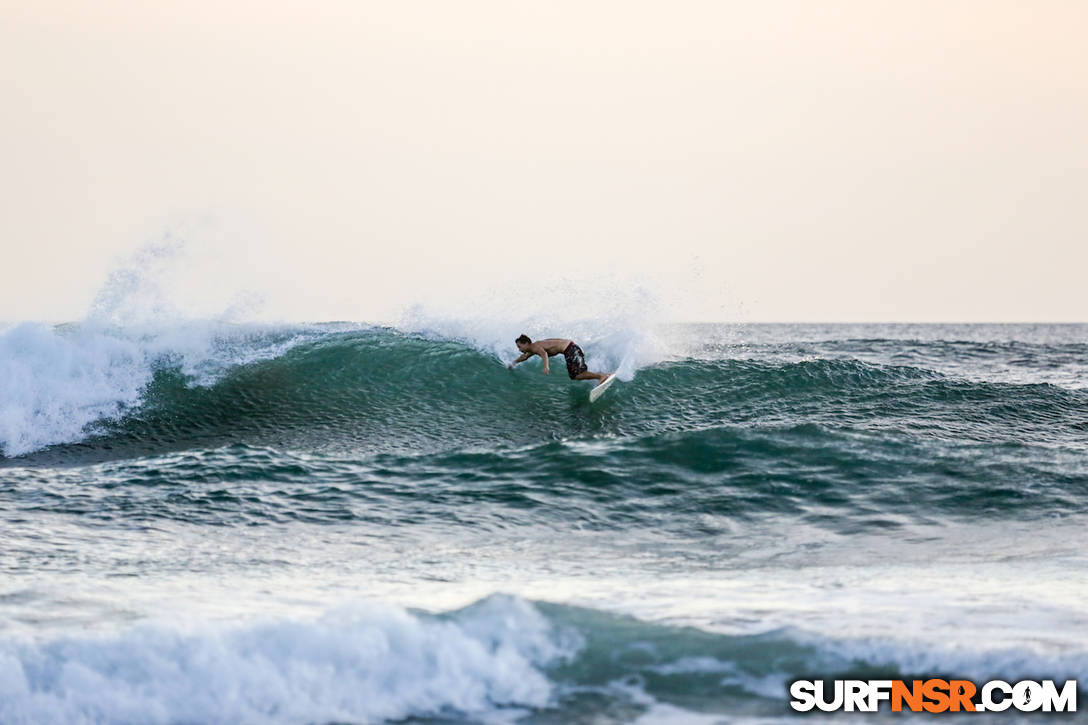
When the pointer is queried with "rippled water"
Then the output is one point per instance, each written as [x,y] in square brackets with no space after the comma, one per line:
[337,523]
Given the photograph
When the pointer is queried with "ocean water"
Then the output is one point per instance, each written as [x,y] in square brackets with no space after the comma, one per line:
[221,523]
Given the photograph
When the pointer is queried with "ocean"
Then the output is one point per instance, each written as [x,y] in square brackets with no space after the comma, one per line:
[203,522]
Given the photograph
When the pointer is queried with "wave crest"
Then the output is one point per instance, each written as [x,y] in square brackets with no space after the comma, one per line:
[380,390]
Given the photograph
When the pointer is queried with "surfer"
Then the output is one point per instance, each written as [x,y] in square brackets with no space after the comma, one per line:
[576,359]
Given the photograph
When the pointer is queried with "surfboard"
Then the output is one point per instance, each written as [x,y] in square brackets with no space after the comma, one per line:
[598,390]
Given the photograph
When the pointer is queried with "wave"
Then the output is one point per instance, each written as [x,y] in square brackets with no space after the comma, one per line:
[500,659]
[380,390]
[361,663]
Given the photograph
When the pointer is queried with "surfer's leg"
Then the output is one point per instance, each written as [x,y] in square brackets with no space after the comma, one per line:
[588,375]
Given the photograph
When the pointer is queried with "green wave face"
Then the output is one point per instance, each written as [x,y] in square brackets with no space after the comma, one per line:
[377,415]
[384,392]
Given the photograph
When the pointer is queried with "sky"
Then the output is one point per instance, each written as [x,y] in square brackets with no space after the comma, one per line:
[783,160]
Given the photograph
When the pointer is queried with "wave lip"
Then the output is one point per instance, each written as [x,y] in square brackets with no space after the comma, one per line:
[60,384]
[52,387]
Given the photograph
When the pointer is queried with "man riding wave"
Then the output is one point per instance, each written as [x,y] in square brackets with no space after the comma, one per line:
[576,359]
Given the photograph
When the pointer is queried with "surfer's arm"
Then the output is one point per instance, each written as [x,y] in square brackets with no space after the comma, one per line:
[544,356]
[520,359]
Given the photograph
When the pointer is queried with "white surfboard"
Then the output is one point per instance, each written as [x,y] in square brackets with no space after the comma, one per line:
[598,390]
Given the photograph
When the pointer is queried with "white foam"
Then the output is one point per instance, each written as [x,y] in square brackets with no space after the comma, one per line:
[56,381]
[52,385]
[357,663]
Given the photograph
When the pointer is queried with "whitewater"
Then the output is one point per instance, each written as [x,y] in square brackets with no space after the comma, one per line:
[219,521]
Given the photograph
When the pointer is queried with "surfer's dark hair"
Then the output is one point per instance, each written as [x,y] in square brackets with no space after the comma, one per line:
[523,340]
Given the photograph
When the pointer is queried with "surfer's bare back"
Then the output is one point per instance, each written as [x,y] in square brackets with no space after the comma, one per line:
[576,359]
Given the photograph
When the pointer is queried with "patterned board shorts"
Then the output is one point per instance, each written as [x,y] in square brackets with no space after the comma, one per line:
[576,361]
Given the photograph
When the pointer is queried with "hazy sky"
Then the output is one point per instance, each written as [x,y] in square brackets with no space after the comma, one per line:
[775,160]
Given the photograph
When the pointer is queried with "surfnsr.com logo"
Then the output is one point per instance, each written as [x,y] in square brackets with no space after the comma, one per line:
[934,695]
